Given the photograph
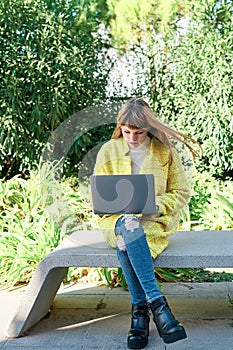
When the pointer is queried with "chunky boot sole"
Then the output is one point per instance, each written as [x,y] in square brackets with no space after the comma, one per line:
[137,344]
[173,337]
[170,330]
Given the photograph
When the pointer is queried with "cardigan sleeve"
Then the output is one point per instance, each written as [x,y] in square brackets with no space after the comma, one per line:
[101,167]
[178,190]
[106,222]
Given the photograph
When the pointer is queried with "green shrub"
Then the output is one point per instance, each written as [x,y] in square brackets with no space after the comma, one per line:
[217,214]
[28,229]
[31,226]
[53,64]
[190,83]
[210,207]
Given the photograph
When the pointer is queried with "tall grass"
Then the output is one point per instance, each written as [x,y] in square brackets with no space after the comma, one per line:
[37,213]
[28,228]
[211,205]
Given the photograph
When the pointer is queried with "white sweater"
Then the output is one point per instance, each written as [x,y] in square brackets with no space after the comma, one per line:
[138,155]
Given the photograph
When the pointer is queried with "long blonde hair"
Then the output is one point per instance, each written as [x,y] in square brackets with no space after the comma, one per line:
[137,114]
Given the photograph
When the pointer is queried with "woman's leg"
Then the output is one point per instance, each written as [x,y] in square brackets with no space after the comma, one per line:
[140,259]
[140,319]
[138,296]
[137,261]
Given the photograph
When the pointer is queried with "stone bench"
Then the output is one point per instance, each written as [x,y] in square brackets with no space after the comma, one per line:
[187,249]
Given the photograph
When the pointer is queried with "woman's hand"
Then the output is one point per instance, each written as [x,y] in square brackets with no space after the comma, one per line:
[121,243]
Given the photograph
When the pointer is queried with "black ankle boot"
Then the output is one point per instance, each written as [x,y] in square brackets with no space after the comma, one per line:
[168,327]
[139,331]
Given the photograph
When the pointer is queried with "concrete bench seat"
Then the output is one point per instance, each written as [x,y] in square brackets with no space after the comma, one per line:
[187,249]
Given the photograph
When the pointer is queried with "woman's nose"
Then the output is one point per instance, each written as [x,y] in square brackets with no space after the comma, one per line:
[133,137]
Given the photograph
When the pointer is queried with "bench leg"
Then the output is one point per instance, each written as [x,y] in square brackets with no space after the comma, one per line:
[36,301]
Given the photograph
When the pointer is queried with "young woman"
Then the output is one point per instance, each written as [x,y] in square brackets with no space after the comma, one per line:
[142,144]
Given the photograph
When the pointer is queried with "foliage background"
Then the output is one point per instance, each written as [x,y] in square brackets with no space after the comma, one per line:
[57,59]
[185,55]
[53,63]
[192,86]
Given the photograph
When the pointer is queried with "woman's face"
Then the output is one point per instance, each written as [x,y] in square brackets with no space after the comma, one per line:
[134,137]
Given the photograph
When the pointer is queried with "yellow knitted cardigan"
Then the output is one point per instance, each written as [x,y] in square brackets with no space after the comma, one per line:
[171,190]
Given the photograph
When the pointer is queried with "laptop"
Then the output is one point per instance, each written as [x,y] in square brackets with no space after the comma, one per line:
[126,194]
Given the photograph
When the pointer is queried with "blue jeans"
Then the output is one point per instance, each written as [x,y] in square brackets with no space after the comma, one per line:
[137,264]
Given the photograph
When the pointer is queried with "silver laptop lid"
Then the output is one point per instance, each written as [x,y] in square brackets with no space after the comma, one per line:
[128,194]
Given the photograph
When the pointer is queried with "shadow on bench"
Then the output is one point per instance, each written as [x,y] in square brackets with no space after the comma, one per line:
[187,249]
